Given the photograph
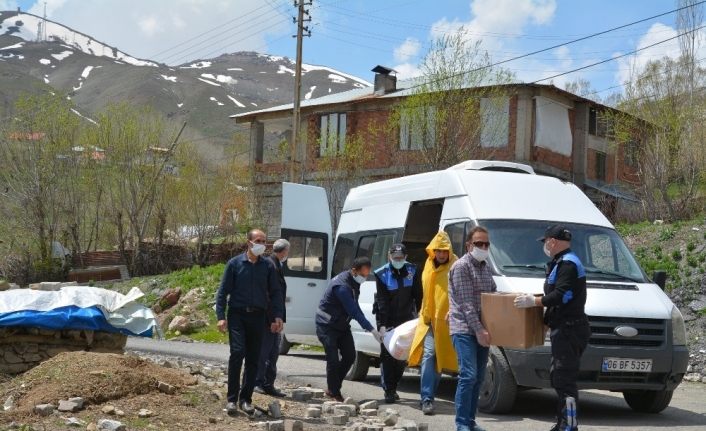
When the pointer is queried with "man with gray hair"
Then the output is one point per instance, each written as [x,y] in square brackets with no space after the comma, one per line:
[267,366]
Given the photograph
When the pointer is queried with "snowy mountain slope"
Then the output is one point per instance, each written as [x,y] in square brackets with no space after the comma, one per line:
[204,93]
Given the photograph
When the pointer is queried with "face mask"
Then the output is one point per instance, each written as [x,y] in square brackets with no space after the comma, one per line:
[257,249]
[359,279]
[479,254]
[398,264]
[284,259]
[546,250]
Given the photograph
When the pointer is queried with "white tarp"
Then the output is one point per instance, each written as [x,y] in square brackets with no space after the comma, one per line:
[553,131]
[399,341]
[121,311]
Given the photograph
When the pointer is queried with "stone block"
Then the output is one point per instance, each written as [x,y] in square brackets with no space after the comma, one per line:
[348,409]
[69,406]
[368,412]
[275,426]
[44,409]
[337,419]
[111,425]
[166,388]
[293,425]
[369,405]
[312,413]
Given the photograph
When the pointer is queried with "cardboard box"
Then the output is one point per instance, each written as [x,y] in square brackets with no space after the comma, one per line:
[519,328]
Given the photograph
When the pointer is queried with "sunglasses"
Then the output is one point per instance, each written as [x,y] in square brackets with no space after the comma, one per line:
[481,244]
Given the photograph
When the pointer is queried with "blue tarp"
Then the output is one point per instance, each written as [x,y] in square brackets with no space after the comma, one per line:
[70,317]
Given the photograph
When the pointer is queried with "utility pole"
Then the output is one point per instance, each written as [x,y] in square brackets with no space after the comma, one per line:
[302,17]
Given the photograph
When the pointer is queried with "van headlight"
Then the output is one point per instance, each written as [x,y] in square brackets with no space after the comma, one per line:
[678,328]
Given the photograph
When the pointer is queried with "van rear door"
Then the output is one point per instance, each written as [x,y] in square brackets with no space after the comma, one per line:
[306,224]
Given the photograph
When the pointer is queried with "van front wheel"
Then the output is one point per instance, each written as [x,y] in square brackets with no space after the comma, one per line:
[499,389]
[359,370]
[648,401]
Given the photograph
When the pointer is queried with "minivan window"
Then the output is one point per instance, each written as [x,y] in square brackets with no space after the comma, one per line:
[343,255]
[457,234]
[516,252]
[306,254]
[376,247]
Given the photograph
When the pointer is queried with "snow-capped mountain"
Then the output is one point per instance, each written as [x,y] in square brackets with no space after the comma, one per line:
[35,56]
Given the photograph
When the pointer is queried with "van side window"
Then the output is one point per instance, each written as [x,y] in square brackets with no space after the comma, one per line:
[343,255]
[376,247]
[457,233]
[306,254]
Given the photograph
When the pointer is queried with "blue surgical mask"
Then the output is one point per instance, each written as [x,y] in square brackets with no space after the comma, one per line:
[398,264]
[359,279]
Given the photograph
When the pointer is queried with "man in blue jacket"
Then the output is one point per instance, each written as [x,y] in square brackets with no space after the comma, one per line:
[337,307]
[249,288]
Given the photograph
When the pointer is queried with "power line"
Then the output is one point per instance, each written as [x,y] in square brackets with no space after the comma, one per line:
[488,66]
[618,56]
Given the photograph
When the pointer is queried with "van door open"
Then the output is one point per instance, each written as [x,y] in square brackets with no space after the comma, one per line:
[306,224]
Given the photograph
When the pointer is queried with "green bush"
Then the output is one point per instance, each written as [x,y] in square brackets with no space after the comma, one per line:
[692,261]
[676,255]
[667,233]
[690,246]
[702,257]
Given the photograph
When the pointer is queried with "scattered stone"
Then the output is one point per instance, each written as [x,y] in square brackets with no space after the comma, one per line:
[390,419]
[293,425]
[108,410]
[693,377]
[92,427]
[119,413]
[423,426]
[79,401]
[75,422]
[44,409]
[408,425]
[369,412]
[144,413]
[318,393]
[697,305]
[275,426]
[350,401]
[179,323]
[111,425]
[9,403]
[216,395]
[312,413]
[302,395]
[328,406]
[369,405]
[275,409]
[337,419]
[69,406]
[166,388]
[347,409]
[212,420]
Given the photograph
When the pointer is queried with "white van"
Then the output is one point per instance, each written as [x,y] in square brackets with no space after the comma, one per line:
[638,342]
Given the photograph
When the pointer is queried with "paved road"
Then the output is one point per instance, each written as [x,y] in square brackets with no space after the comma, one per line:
[599,410]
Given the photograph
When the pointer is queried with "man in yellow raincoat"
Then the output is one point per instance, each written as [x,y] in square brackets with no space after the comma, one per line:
[432,347]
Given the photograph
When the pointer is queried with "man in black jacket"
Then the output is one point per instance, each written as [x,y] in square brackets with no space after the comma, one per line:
[565,298]
[398,300]
[249,288]
[267,367]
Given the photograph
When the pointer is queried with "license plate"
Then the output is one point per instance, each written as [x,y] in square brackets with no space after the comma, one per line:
[627,365]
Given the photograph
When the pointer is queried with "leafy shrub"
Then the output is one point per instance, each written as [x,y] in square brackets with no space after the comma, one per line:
[667,233]
[676,255]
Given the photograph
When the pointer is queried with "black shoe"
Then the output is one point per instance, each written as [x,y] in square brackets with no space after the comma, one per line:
[247,408]
[274,392]
[390,397]
[259,390]
[231,409]
[397,397]
[338,397]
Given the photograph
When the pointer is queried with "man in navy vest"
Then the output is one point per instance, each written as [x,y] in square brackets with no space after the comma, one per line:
[398,299]
[336,309]
[248,288]
[565,298]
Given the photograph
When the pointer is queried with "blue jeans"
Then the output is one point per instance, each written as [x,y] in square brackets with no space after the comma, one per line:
[429,377]
[472,360]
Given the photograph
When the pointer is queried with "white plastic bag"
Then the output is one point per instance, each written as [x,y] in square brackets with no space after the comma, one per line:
[399,340]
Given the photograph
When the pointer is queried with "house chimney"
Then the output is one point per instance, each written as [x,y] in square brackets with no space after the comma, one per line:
[384,81]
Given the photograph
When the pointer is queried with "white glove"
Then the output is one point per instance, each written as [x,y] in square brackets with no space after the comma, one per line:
[383,331]
[376,335]
[524,301]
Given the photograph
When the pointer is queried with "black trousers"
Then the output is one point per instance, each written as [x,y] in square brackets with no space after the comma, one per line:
[569,340]
[269,354]
[391,370]
[340,355]
[245,332]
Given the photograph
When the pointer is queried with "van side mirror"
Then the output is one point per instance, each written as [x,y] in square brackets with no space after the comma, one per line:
[660,278]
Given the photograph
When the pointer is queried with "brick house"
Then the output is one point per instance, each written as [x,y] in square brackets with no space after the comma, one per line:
[556,132]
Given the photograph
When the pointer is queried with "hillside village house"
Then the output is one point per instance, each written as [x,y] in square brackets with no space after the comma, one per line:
[556,132]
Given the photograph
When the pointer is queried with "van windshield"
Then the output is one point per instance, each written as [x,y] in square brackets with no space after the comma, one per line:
[516,252]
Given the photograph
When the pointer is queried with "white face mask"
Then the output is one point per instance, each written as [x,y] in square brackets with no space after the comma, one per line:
[284,259]
[479,254]
[546,250]
[398,264]
[257,249]
[359,279]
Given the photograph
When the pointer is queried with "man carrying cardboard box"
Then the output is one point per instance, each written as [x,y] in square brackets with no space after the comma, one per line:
[565,298]
[469,277]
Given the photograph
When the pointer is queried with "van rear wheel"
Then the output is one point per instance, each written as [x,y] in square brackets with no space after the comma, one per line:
[499,389]
[648,401]
[359,370]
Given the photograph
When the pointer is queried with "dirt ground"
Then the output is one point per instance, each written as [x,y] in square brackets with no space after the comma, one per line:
[129,384]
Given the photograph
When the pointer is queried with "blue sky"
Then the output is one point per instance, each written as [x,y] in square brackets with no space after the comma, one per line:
[355,35]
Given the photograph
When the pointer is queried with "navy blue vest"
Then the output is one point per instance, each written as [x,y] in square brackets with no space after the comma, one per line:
[331,312]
